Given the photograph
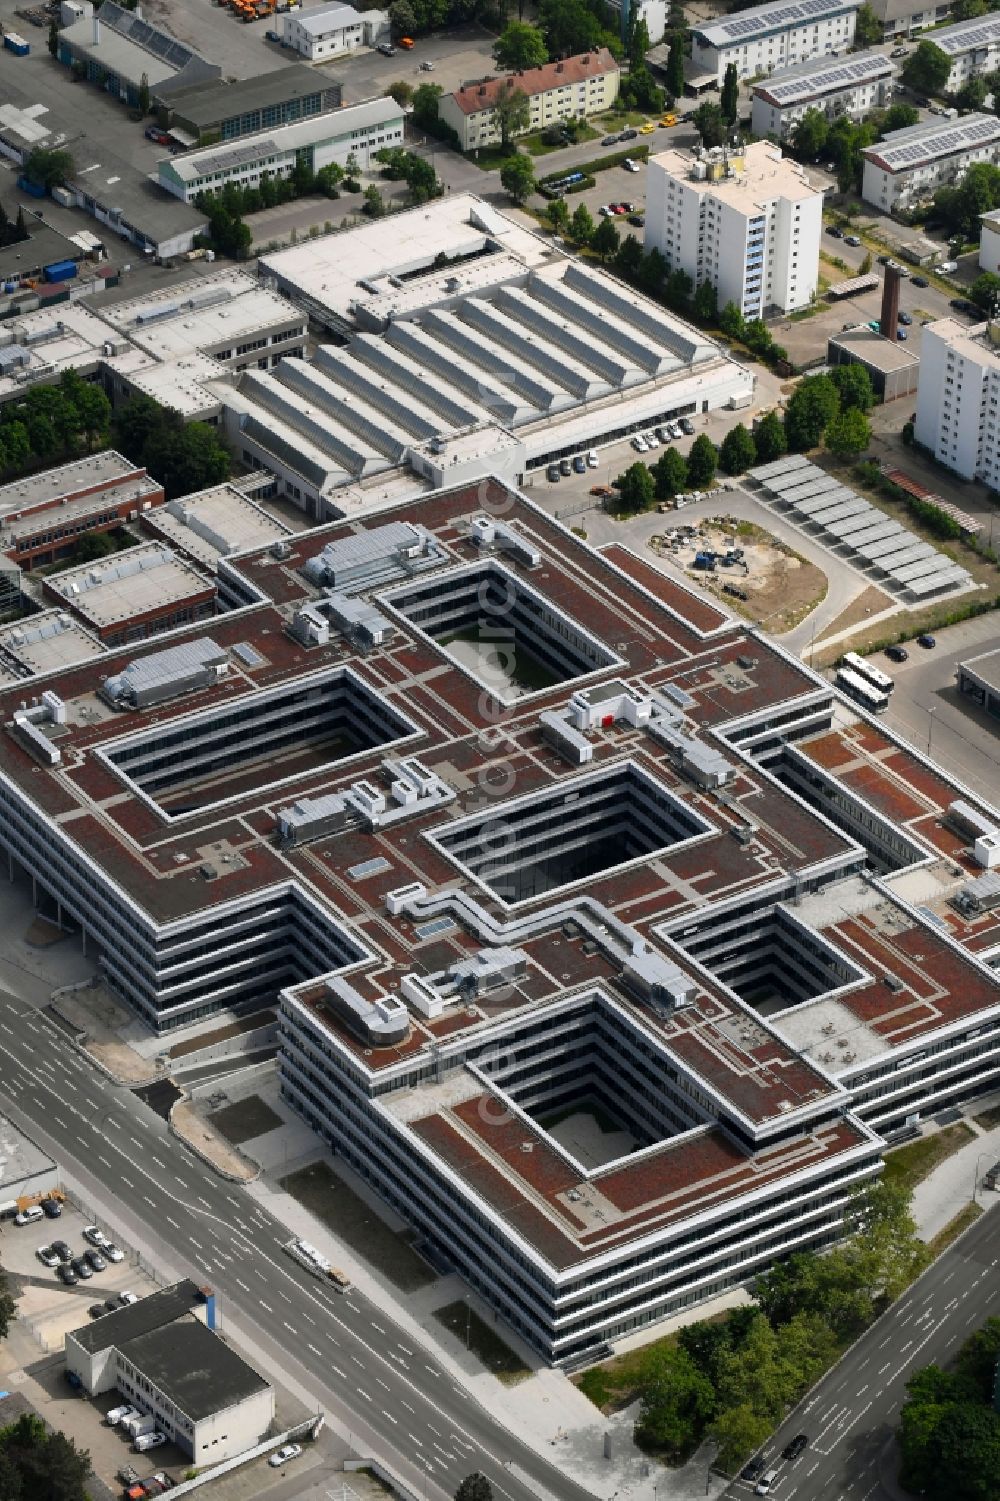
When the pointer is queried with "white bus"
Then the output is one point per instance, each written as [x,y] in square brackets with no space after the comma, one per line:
[863,693]
[864,669]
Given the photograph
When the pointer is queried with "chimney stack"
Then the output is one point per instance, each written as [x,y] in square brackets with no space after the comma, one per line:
[890,303]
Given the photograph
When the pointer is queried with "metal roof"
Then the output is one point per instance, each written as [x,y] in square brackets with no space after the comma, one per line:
[779,16]
[965,36]
[822,75]
[918,145]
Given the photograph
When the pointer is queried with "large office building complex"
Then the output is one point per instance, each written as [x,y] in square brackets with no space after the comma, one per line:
[909,164]
[768,37]
[607,1066]
[747,220]
[957,399]
[852,86]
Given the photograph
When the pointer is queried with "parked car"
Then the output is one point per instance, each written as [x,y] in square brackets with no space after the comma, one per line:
[62,1250]
[47,1256]
[52,1208]
[82,1267]
[579,464]
[111,1252]
[630,165]
[639,220]
[898,52]
[651,439]
[639,444]
[962,305]
[764,1484]
[426,67]
[66,1274]
[852,240]
[272,36]
[794,1449]
[112,1304]
[29,1216]
[552,474]
[897,653]
[592,459]
[126,1299]
[97,1310]
[647,129]
[386,49]
[687,427]
[754,1469]
[565,467]
[834,232]
[628,135]
[118,1414]
[145,1441]
[96,1260]
[610,141]
[905,318]
[284,1454]
[883,260]
[919,281]
[947,267]
[927,642]
[901,335]
[94,1236]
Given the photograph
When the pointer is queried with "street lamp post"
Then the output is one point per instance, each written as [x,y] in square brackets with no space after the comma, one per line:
[930,727]
[975,1176]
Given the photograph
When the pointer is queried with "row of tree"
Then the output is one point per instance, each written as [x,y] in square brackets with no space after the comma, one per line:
[736,1378]
[183,456]
[949,1431]
[12,231]
[824,408]
[49,423]
[225,207]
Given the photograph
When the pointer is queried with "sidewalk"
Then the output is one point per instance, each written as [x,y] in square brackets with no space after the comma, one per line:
[945,1192]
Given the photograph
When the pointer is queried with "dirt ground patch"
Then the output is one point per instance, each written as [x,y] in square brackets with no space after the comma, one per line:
[328,1197]
[871,601]
[190,1126]
[769,583]
[244,1119]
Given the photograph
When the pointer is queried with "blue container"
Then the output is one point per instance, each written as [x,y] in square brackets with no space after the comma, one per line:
[59,271]
[33,189]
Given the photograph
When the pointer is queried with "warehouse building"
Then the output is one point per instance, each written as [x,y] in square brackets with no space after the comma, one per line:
[853,86]
[905,168]
[118,48]
[226,110]
[215,523]
[572,88]
[461,321]
[979,679]
[723,848]
[320,32]
[766,38]
[358,130]
[894,369]
[165,1358]
[134,594]
[44,515]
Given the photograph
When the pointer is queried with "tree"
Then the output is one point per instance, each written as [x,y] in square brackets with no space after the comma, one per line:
[186,460]
[926,70]
[898,117]
[517,176]
[705,304]
[739,1431]
[628,257]
[677,1401]
[94,545]
[49,168]
[977,1359]
[636,490]
[855,386]
[425,105]
[669,474]
[730,99]
[604,240]
[701,463]
[675,66]
[811,407]
[810,135]
[374,203]
[961,207]
[638,41]
[143,99]
[135,423]
[558,215]
[710,123]
[968,10]
[474,1487]
[737,451]
[678,289]
[401,92]
[581,226]
[867,28]
[731,321]
[653,272]
[570,26]
[520,46]
[37,1465]
[8,1311]
[53,37]
[769,437]
[511,113]
[403,18]
[972,94]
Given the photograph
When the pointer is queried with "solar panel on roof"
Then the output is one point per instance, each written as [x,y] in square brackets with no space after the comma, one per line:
[819,80]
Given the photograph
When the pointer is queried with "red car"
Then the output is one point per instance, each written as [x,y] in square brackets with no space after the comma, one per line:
[617,208]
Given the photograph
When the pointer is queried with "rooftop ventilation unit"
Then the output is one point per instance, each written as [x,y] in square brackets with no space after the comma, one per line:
[165,674]
[656,979]
[378,1024]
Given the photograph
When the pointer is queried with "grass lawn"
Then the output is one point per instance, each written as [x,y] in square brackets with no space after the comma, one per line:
[618,1381]
[612,120]
[462,1320]
[488,158]
[910,1164]
[963,1219]
[988,1118]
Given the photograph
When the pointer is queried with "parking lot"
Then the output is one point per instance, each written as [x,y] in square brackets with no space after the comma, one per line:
[466,53]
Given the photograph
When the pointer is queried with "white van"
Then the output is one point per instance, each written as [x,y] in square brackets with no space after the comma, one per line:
[764,1484]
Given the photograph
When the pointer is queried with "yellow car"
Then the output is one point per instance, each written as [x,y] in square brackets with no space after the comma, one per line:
[669,120]
[645,130]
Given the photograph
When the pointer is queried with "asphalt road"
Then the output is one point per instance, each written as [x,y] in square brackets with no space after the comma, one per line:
[392,1397]
[850,1417]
